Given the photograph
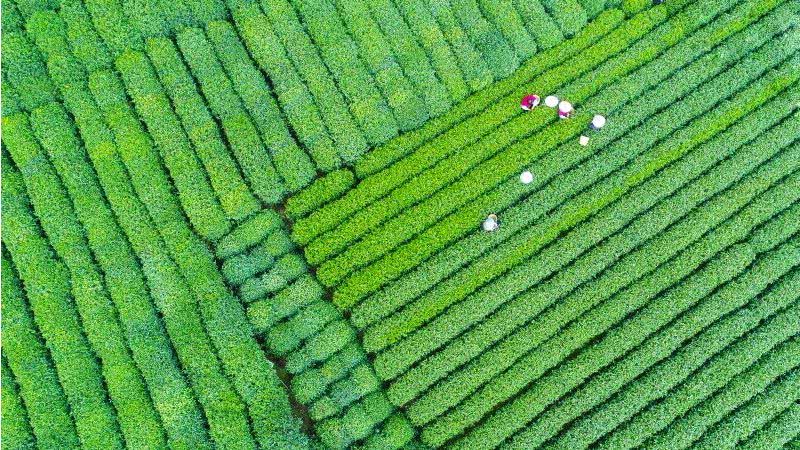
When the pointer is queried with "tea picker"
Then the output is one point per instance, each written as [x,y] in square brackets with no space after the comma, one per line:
[598,122]
[565,109]
[490,223]
[529,102]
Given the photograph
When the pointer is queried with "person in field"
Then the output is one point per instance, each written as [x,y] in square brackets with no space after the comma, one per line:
[529,102]
[551,101]
[598,122]
[565,109]
[491,224]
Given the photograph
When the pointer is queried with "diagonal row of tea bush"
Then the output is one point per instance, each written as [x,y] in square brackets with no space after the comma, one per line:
[159,352]
[248,101]
[680,93]
[104,158]
[329,373]
[339,76]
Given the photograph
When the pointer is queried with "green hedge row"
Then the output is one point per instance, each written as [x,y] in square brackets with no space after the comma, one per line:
[99,141]
[12,20]
[234,194]
[634,330]
[17,431]
[294,165]
[44,402]
[350,142]
[506,19]
[241,132]
[311,384]
[320,192]
[541,26]
[145,334]
[487,39]
[241,267]
[10,101]
[154,108]
[383,156]
[760,410]
[395,433]
[394,360]
[503,96]
[695,351]
[321,346]
[112,25]
[710,377]
[428,182]
[24,69]
[341,56]
[740,388]
[368,280]
[481,128]
[425,29]
[690,327]
[186,331]
[782,432]
[293,95]
[47,285]
[592,7]
[409,108]
[410,56]
[568,14]
[251,374]
[287,336]
[571,307]
[534,207]
[610,345]
[265,313]
[359,383]
[476,70]
[609,311]
[86,44]
[468,218]
[357,423]
[249,233]
[207,11]
[224,411]
[285,270]
[135,413]
[157,18]
[568,305]
[243,137]
[551,320]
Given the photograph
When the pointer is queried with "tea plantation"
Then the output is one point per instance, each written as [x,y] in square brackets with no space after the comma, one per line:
[244,224]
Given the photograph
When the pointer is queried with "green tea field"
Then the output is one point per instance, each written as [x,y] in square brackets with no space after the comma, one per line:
[400,224]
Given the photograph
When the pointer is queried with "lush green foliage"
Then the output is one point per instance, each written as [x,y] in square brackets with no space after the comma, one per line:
[257,224]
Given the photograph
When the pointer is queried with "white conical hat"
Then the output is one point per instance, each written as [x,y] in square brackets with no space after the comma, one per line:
[526,177]
[551,101]
[598,121]
[564,106]
[584,140]
[490,224]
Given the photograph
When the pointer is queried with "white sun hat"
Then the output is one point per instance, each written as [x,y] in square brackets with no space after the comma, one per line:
[598,121]
[564,106]
[490,224]
[551,101]
[584,140]
[526,177]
